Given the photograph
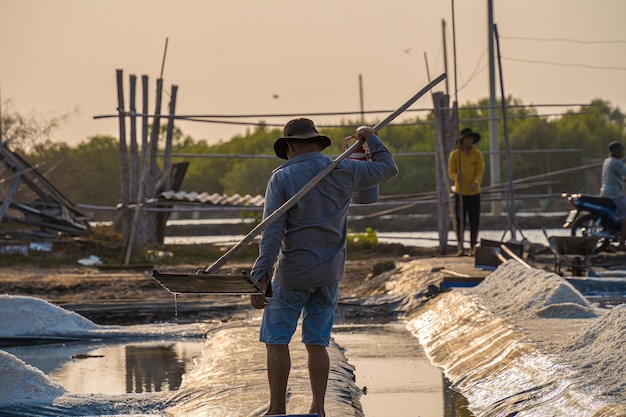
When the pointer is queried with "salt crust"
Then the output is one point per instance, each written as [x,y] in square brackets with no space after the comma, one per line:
[595,345]
[21,382]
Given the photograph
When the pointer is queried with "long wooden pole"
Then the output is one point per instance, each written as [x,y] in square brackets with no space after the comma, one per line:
[440,150]
[509,173]
[150,180]
[134,151]
[127,222]
[296,197]
[144,167]
[167,163]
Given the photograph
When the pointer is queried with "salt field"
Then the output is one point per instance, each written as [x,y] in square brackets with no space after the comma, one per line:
[524,342]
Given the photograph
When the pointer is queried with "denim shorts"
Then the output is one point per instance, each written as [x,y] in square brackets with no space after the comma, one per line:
[317,307]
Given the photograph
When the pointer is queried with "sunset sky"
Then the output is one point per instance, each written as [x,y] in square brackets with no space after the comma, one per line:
[293,56]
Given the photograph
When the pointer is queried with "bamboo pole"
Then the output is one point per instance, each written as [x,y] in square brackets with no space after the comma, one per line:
[134,163]
[143,168]
[444,198]
[122,143]
[145,172]
[126,221]
[167,162]
[154,141]
[441,171]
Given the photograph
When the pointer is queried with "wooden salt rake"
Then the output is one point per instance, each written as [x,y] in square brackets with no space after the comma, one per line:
[206,281]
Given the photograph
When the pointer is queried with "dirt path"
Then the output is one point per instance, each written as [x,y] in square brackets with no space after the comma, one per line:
[133,297]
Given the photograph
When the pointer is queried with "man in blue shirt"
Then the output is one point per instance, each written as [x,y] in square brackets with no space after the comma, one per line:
[613,177]
[308,245]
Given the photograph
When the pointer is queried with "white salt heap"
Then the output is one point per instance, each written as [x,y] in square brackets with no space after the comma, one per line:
[21,382]
[591,342]
[32,316]
[515,291]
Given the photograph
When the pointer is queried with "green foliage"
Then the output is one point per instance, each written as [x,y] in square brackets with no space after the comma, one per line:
[233,175]
[89,172]
[363,241]
[247,176]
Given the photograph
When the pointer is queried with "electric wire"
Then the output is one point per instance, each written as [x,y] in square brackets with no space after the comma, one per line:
[529,38]
[476,72]
[560,64]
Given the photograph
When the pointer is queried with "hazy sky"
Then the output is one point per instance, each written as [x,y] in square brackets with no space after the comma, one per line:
[233,57]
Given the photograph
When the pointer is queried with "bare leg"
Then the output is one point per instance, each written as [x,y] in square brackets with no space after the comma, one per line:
[278,368]
[319,367]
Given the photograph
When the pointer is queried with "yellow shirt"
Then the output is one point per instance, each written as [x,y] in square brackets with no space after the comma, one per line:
[472,170]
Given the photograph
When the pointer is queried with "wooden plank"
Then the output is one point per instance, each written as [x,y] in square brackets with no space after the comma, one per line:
[208,283]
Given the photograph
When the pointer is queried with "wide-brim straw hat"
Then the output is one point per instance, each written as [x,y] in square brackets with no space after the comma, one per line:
[468,132]
[303,129]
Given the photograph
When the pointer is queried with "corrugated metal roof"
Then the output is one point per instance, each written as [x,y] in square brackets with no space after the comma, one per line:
[214,199]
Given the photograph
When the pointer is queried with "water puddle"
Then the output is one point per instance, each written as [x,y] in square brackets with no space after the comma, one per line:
[395,374]
[114,368]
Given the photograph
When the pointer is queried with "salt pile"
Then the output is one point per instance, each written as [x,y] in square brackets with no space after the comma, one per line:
[513,290]
[595,346]
[21,382]
[26,390]
[29,316]
[21,315]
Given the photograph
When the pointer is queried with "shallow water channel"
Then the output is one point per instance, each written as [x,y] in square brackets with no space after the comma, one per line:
[391,368]
[395,374]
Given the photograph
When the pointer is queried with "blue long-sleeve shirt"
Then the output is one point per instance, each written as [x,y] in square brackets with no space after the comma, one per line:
[308,242]
[613,175]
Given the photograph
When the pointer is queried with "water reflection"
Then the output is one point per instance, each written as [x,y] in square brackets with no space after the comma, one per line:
[114,368]
[151,368]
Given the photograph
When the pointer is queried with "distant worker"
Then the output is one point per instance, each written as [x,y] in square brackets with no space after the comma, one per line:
[466,167]
[309,244]
[613,177]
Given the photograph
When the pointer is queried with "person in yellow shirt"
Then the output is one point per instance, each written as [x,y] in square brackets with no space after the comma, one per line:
[466,167]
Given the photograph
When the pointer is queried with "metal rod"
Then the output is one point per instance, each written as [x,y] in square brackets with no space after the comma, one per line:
[296,197]
[510,191]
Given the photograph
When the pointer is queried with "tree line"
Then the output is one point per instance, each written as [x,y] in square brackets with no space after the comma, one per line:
[89,173]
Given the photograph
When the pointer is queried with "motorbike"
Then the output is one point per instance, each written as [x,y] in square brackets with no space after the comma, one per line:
[593,216]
